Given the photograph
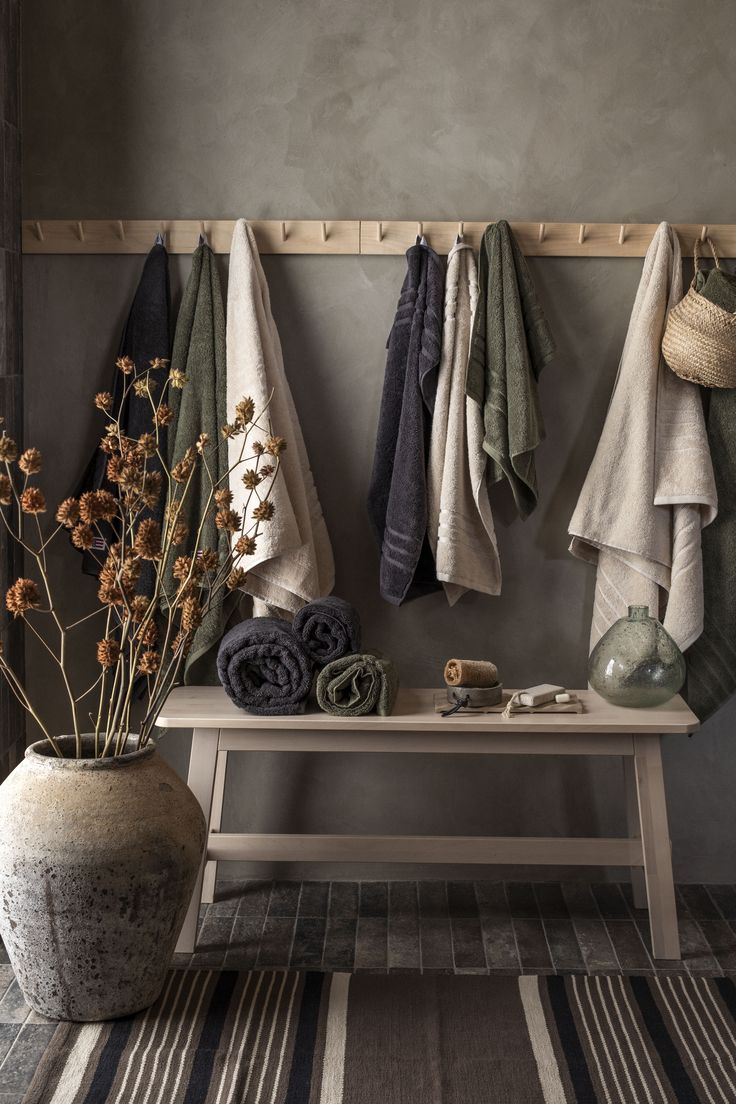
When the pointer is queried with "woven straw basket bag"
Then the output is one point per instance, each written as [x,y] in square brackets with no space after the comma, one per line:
[699,342]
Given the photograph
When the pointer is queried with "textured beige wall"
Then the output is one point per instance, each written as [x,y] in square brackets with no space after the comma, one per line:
[547,109]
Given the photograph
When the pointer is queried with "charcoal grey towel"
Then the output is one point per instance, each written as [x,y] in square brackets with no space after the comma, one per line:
[711,662]
[145,337]
[358,684]
[511,344]
[397,497]
[264,668]
[328,628]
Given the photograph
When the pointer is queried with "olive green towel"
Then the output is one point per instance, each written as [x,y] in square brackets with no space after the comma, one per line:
[199,352]
[357,684]
[510,345]
[711,662]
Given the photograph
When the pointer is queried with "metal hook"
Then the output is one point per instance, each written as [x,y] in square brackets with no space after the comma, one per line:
[283,232]
[324,231]
[39,230]
[704,233]
[80,231]
[622,234]
[581,235]
[540,236]
[121,230]
[379,231]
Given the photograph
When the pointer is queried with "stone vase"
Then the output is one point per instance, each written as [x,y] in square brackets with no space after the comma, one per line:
[98,859]
[636,663]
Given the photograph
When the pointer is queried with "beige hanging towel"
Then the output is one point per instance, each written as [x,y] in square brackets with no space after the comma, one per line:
[650,489]
[460,529]
[293,562]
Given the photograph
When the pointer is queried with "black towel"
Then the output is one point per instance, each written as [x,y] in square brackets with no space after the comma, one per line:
[711,661]
[264,667]
[397,497]
[145,337]
[328,628]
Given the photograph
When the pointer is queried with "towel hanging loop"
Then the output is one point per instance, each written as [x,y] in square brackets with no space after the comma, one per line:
[622,234]
[542,231]
[581,234]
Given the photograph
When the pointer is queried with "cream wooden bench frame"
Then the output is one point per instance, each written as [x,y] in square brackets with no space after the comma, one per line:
[219,727]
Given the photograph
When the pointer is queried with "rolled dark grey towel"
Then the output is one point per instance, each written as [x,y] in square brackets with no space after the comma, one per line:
[328,628]
[264,667]
[358,684]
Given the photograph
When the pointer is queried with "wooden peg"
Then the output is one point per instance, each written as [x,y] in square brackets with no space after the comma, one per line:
[420,229]
[324,231]
[121,230]
[80,231]
[39,230]
[461,229]
[283,232]
[202,229]
[581,234]
[540,236]
[379,231]
[704,233]
[622,234]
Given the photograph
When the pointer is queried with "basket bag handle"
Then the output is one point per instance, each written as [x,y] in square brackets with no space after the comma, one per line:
[696,257]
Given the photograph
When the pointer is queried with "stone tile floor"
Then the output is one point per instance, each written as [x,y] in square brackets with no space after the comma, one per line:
[408,927]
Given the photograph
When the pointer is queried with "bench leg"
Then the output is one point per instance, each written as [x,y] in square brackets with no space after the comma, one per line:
[656,845]
[201,781]
[638,882]
[218,795]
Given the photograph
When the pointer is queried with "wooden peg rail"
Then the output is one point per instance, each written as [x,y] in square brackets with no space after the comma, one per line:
[537,239]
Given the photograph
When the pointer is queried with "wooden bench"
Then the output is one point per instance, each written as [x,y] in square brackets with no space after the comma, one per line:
[603,729]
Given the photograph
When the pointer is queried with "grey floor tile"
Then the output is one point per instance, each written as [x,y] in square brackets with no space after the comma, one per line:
[724,897]
[24,1055]
[403,899]
[461,900]
[532,943]
[596,948]
[314,898]
[564,947]
[180,960]
[696,952]
[500,943]
[467,943]
[371,943]
[436,942]
[340,936]
[13,1008]
[627,892]
[245,941]
[661,965]
[722,942]
[521,899]
[6,977]
[309,942]
[275,947]
[344,899]
[12,1098]
[491,898]
[215,932]
[581,904]
[255,898]
[284,899]
[373,899]
[8,1035]
[700,904]
[610,900]
[433,899]
[403,942]
[550,901]
[630,951]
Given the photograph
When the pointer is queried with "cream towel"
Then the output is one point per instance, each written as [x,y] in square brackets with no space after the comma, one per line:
[650,488]
[460,529]
[293,563]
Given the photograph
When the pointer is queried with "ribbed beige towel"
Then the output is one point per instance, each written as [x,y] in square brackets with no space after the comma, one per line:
[293,563]
[650,488]
[460,529]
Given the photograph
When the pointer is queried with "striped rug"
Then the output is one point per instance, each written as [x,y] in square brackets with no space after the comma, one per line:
[310,1038]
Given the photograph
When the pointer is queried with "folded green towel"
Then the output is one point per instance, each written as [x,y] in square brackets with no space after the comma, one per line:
[357,684]
[510,345]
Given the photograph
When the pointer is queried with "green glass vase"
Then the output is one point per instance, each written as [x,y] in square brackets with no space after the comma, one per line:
[636,663]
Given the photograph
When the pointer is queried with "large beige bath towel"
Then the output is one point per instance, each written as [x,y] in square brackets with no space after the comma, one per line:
[293,563]
[460,529]
[650,488]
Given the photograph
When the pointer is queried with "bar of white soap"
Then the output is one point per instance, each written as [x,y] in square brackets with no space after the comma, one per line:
[538,695]
[562,698]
